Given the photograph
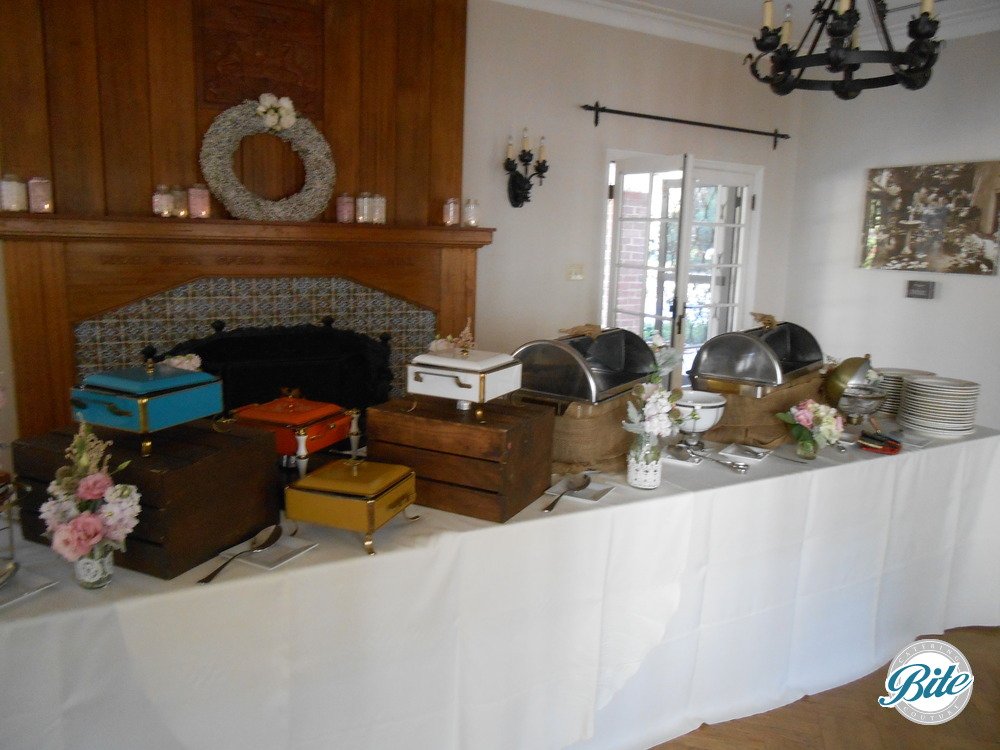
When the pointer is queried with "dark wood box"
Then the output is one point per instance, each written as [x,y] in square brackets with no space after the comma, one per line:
[202,491]
[489,462]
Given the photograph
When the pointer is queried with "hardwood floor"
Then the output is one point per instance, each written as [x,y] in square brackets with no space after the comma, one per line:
[848,718]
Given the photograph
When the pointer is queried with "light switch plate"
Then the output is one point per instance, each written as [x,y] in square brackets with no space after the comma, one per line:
[574,272]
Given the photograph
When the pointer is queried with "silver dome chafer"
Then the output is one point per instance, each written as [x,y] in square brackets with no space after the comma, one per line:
[757,361]
[581,368]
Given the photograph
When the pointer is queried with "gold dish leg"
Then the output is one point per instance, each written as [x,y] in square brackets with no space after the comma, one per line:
[370,543]
[147,448]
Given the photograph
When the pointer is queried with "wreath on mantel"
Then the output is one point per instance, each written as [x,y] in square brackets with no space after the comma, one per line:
[277,117]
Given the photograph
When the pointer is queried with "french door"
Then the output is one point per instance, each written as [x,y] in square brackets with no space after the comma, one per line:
[679,249]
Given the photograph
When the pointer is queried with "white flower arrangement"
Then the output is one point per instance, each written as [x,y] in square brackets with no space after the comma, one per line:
[278,114]
[658,415]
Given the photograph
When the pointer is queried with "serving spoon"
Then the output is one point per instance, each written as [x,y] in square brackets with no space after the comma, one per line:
[574,483]
[264,539]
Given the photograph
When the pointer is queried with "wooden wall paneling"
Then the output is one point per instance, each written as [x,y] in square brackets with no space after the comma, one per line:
[40,335]
[74,106]
[342,91]
[123,84]
[444,160]
[458,280]
[377,172]
[175,139]
[271,168]
[413,112]
[24,127]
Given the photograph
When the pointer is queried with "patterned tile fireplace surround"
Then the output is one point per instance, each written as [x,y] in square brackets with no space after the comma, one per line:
[116,338]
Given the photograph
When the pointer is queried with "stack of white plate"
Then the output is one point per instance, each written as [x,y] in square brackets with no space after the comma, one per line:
[939,407]
[892,384]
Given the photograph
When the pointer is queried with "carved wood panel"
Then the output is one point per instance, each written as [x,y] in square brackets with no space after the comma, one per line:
[247,47]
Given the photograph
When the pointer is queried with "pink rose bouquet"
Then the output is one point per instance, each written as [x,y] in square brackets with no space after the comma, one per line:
[87,513]
[813,422]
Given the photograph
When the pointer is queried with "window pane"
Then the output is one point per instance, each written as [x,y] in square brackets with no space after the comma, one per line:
[629,322]
[705,203]
[702,244]
[660,293]
[633,242]
[653,254]
[728,245]
[635,195]
[629,289]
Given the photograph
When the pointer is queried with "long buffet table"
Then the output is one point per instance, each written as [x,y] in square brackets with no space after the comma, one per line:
[615,624]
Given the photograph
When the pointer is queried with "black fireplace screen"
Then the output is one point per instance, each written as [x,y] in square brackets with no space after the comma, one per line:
[320,363]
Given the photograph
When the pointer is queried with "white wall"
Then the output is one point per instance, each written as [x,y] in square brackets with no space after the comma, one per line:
[533,69]
[853,311]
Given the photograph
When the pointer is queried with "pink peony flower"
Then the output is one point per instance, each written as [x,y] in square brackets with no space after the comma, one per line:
[76,538]
[804,417]
[94,486]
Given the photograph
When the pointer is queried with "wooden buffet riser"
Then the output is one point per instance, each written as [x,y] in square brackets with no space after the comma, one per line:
[61,270]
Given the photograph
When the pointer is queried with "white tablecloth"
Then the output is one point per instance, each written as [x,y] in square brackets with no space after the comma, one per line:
[615,624]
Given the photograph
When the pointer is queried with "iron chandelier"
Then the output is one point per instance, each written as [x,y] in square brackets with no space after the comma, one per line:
[840,20]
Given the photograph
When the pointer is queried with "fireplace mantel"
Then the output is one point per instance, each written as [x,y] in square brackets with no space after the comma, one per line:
[61,270]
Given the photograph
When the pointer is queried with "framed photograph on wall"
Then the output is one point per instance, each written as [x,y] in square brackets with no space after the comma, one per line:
[941,218]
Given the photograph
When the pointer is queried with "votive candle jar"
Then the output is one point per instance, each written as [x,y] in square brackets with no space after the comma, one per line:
[345,208]
[363,209]
[163,201]
[449,214]
[470,213]
[180,196]
[40,195]
[199,202]
[13,193]
[378,209]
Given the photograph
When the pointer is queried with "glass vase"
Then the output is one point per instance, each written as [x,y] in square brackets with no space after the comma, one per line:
[643,463]
[94,570]
[806,449]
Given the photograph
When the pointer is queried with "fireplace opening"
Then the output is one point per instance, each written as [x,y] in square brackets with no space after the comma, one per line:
[315,362]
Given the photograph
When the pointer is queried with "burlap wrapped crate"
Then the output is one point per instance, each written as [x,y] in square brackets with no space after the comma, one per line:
[751,421]
[590,436]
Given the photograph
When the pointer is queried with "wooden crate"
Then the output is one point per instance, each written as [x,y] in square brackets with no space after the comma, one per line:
[489,462]
[202,491]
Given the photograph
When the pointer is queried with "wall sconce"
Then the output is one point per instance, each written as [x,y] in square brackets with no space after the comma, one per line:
[518,184]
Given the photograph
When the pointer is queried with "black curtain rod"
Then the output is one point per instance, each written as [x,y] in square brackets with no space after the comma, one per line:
[597,109]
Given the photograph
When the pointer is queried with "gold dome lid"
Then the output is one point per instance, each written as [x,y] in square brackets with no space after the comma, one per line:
[853,371]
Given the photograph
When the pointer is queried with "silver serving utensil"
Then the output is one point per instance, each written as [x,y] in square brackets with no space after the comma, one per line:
[754,451]
[7,572]
[261,541]
[738,466]
[574,482]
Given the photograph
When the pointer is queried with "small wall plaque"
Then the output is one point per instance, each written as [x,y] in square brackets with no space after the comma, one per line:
[920,289]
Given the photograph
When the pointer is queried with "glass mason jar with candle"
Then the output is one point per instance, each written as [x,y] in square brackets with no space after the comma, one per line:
[163,201]
[363,209]
[470,213]
[40,195]
[199,202]
[180,200]
[345,208]
[13,193]
[449,214]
